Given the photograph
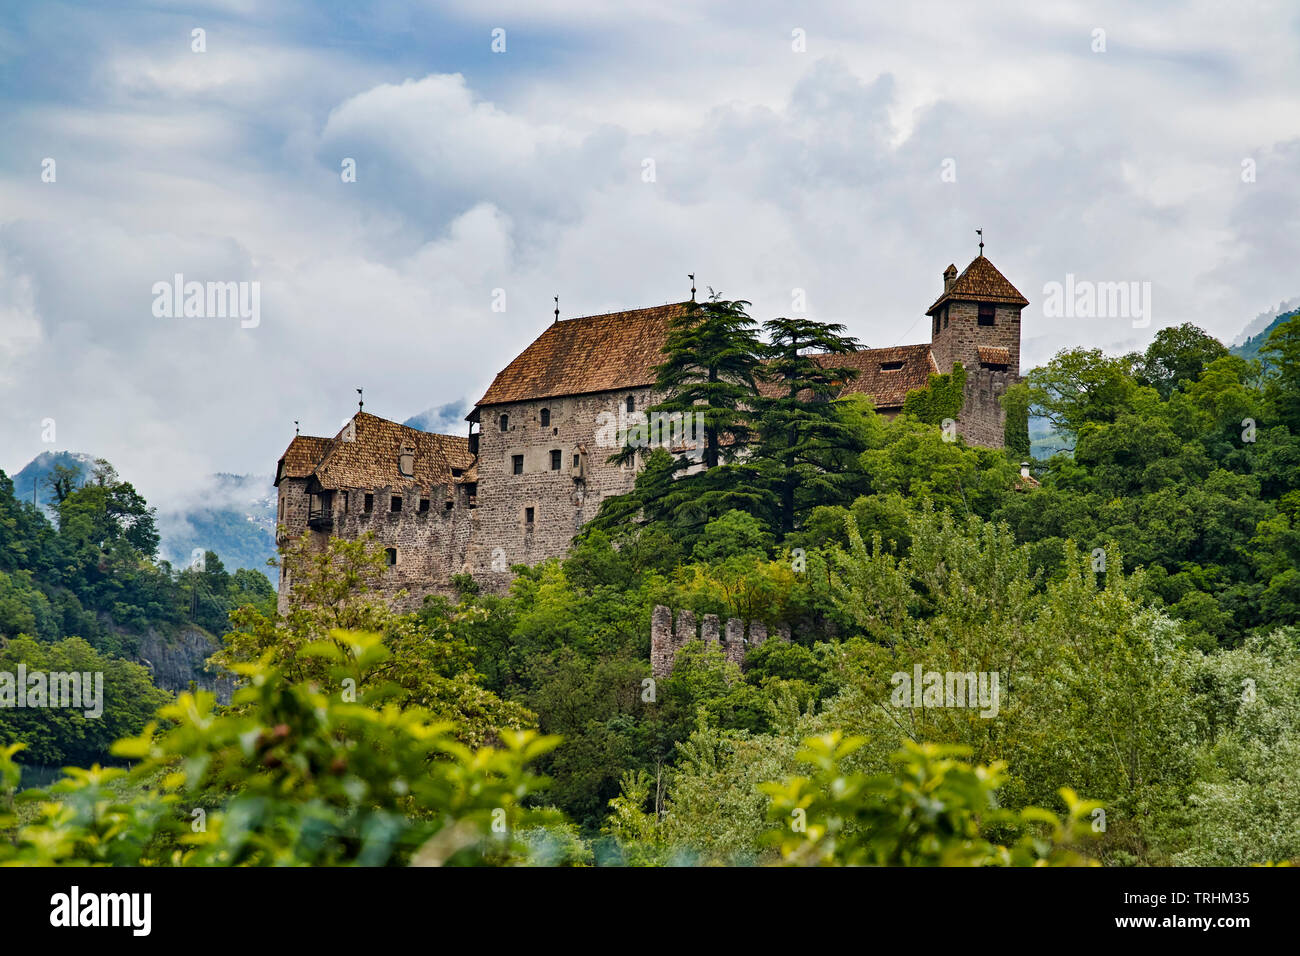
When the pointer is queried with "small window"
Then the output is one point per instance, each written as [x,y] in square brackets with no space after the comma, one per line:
[528,515]
[936,323]
[555,459]
[891,366]
[424,505]
[575,459]
[369,504]
[517,464]
[447,506]
[505,423]
[546,417]
[631,404]
[396,504]
[987,311]
[457,472]
[390,556]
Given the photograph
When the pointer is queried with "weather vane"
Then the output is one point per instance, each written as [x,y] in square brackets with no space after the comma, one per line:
[361,399]
[691,276]
[295,426]
[557,308]
[980,233]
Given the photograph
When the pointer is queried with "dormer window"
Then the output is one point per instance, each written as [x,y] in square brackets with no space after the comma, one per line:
[406,462]
[546,417]
[505,423]
[891,366]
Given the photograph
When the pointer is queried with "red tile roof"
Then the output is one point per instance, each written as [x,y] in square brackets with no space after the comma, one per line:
[981,282]
[596,353]
[365,452]
[994,355]
[299,459]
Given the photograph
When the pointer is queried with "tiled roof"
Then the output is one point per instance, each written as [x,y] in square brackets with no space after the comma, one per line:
[596,353]
[981,282]
[299,459]
[994,355]
[364,454]
[877,376]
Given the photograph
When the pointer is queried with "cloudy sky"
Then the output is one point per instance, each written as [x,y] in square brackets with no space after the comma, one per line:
[847,150]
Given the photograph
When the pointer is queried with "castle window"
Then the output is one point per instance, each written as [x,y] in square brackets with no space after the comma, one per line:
[987,311]
[457,472]
[505,422]
[517,464]
[631,404]
[448,505]
[424,505]
[945,316]
[891,366]
[390,556]
[555,459]
[575,459]
[369,504]
[936,323]
[396,503]
[546,417]
[529,514]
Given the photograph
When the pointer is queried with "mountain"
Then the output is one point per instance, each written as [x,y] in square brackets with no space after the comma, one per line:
[32,475]
[1254,336]
[235,519]
[231,515]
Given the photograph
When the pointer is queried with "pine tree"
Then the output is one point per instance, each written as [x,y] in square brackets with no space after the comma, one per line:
[803,441]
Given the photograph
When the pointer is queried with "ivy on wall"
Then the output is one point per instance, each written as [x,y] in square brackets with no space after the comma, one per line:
[1015,430]
[941,398]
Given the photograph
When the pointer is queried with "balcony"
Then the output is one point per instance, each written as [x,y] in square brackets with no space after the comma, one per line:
[320,519]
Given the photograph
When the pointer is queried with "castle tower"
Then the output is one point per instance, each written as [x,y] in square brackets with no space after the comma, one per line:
[976,321]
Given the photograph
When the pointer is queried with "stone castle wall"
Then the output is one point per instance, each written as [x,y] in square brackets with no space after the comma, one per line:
[562,499]
[982,420]
[430,545]
[961,339]
[667,637]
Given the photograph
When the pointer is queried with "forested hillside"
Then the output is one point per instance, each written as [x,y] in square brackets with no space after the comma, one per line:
[85,588]
[1137,597]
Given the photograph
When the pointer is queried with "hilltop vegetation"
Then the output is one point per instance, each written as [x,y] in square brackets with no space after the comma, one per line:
[1140,609]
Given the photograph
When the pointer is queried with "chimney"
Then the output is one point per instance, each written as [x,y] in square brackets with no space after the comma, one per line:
[949,277]
[1024,469]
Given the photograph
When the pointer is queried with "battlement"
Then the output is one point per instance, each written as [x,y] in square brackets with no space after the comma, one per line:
[667,637]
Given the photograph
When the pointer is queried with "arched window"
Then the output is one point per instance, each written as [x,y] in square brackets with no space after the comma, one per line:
[631,404]
[505,422]
[546,417]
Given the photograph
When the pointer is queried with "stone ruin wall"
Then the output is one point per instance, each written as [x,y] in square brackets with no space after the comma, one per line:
[667,638]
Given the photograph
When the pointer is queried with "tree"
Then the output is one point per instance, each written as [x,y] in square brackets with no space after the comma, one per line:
[1177,354]
[1079,386]
[804,443]
[712,360]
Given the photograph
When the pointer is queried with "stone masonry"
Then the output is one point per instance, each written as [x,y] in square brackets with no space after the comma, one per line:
[534,467]
[667,637]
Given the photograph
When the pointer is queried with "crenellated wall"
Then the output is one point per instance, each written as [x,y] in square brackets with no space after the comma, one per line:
[668,637]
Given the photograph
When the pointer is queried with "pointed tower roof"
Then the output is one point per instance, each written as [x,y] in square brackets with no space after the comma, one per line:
[981,282]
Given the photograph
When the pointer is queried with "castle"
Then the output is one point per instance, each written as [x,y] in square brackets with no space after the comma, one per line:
[532,470]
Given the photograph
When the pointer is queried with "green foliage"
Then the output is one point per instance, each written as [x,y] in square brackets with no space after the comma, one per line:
[294,774]
[933,810]
[1015,429]
[941,398]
